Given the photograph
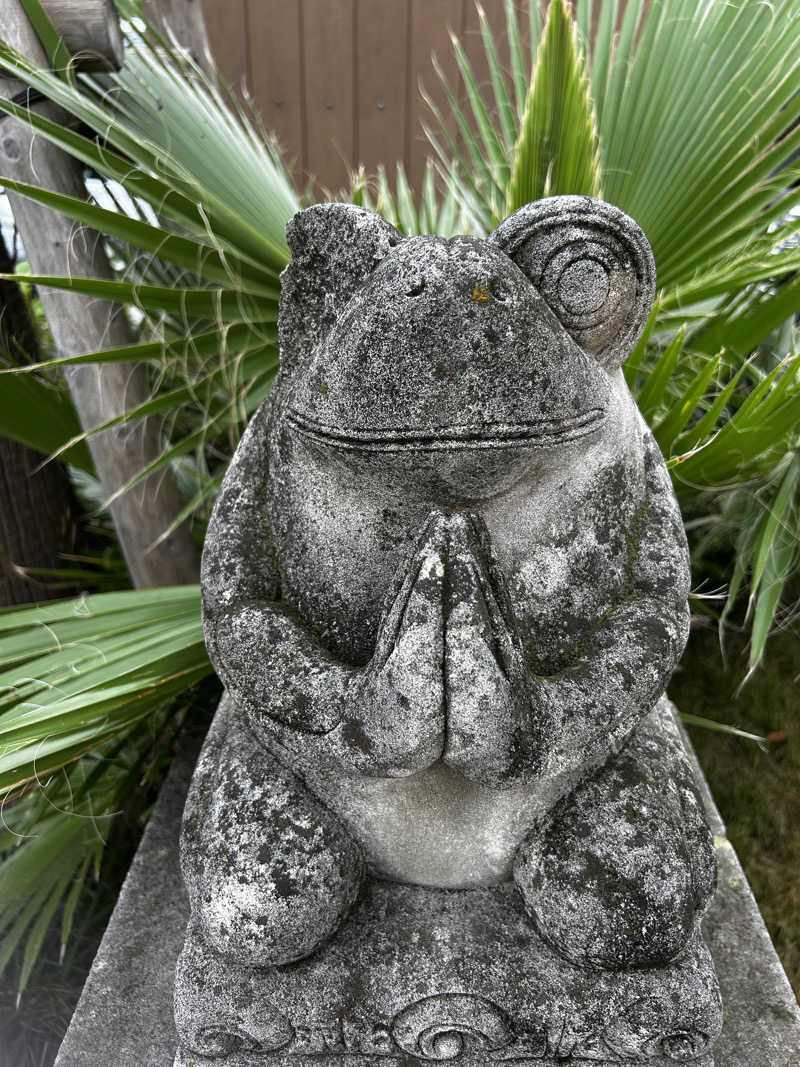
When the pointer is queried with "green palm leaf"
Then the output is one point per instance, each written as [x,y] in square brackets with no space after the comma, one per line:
[74,673]
[557,145]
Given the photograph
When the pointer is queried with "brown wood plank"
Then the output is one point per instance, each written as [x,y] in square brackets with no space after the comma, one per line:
[276,73]
[430,20]
[226,23]
[329,36]
[382,91]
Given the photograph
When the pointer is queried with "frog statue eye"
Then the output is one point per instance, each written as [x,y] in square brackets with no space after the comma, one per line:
[592,265]
[335,248]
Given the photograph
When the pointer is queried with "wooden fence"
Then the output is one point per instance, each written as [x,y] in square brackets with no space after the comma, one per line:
[338,80]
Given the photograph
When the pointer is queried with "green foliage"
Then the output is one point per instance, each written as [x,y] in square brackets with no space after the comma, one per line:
[75,672]
[85,685]
[557,146]
[435,213]
[39,414]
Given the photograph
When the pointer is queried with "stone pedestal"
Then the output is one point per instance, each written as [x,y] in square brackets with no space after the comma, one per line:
[124,1018]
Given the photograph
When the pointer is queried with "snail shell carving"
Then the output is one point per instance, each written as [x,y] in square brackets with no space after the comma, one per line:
[450,1025]
[592,265]
[227,1037]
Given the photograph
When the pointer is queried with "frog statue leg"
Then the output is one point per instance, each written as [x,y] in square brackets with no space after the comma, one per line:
[269,870]
[621,870]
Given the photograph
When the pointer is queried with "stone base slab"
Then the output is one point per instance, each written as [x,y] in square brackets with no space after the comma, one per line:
[124,1018]
[457,975]
[347,1060]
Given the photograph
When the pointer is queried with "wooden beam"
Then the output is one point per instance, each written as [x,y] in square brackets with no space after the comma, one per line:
[226,25]
[56,245]
[273,33]
[430,32]
[329,68]
[383,63]
[90,30]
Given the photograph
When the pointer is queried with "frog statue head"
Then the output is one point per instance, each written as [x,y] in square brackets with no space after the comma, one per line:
[460,362]
[424,376]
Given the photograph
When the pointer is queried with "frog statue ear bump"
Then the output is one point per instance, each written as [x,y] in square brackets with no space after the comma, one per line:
[593,266]
[335,247]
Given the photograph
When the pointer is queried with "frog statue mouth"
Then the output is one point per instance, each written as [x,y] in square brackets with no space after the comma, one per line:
[538,433]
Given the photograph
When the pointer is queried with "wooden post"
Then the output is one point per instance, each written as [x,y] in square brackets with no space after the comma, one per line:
[56,245]
[90,30]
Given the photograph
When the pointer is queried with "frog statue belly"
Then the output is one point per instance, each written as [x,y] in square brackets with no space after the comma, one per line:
[445,583]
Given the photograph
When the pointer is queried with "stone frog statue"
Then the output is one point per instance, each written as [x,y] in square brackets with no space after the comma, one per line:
[445,583]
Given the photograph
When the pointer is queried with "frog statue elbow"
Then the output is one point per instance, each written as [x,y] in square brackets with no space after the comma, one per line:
[445,584]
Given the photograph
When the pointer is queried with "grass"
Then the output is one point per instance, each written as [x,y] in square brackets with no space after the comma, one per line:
[31,1033]
[757,792]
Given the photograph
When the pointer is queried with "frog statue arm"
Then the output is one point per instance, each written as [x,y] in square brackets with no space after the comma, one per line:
[597,702]
[275,668]
[259,649]
[568,722]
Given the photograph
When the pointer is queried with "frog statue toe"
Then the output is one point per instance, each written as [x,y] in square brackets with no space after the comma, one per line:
[444,810]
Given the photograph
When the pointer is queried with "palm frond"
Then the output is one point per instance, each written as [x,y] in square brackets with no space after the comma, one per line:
[557,146]
[74,673]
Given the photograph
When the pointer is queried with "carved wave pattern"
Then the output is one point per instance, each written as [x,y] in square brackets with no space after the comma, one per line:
[449,1026]
[453,1027]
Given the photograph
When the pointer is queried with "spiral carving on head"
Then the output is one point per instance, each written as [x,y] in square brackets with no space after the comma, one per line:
[592,265]
[451,1025]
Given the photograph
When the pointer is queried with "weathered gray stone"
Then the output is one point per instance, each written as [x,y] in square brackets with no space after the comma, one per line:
[125,1015]
[445,583]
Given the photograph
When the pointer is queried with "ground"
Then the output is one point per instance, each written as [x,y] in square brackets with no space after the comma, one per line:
[758,793]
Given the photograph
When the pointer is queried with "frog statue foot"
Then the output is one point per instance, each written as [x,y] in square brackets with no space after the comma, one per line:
[444,811]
